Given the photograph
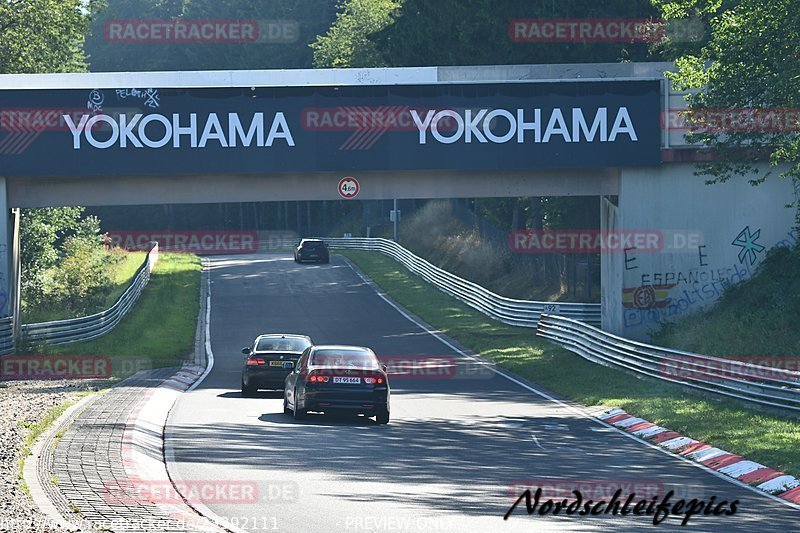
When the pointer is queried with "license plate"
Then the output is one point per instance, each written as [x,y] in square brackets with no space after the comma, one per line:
[343,379]
[276,363]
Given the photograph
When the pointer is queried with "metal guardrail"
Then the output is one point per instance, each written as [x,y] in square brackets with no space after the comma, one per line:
[523,313]
[98,324]
[6,335]
[770,386]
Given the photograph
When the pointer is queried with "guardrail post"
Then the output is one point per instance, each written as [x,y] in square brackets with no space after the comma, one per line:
[16,280]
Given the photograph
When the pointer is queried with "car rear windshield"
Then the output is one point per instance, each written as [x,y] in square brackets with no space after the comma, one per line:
[312,244]
[271,344]
[345,358]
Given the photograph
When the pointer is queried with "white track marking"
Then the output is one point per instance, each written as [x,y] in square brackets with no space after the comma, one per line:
[536,441]
[169,452]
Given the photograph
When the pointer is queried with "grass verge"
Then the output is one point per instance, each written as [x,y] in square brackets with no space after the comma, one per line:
[159,331]
[35,430]
[766,438]
[122,274]
[755,319]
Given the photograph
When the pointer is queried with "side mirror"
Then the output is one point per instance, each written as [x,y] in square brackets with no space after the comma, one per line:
[384,367]
[246,351]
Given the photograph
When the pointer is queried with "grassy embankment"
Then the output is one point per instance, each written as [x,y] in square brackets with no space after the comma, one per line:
[770,439]
[122,274]
[159,330]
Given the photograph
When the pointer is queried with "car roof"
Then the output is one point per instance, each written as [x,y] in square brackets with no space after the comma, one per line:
[342,348]
[282,336]
[311,240]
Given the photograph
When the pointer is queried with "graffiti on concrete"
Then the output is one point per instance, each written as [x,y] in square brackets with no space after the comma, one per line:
[749,247]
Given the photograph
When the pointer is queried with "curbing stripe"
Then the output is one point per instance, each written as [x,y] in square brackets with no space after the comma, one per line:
[792,495]
[640,426]
[779,484]
[678,443]
[741,468]
[759,476]
[617,418]
[723,460]
[649,432]
[628,422]
[734,466]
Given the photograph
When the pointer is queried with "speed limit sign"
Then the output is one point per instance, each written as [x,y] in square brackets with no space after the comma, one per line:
[348,187]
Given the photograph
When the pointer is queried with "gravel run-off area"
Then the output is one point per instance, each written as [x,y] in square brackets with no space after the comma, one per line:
[22,404]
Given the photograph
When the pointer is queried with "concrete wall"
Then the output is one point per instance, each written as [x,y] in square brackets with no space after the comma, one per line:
[714,235]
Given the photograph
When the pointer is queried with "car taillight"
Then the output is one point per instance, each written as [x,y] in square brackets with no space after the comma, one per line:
[374,381]
[313,378]
[253,362]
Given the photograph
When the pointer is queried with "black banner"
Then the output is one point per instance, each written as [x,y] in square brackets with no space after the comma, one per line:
[64,132]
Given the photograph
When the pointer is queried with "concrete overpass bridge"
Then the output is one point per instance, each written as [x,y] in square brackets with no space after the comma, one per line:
[606,130]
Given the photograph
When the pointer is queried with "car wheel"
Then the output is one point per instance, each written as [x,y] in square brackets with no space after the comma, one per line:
[286,409]
[383,417]
[299,414]
[248,390]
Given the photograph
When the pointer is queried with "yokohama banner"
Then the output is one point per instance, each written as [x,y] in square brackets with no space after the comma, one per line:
[167,131]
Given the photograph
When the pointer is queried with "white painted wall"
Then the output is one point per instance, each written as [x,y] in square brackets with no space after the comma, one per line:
[670,283]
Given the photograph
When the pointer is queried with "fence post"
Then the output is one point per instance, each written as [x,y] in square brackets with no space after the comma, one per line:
[16,279]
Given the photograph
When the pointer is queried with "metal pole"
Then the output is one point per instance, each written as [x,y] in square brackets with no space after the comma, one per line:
[395,219]
[16,280]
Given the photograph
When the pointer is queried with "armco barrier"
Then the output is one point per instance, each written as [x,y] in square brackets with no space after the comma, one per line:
[92,326]
[774,387]
[6,335]
[523,313]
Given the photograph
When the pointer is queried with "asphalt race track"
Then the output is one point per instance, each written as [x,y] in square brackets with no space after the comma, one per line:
[460,439]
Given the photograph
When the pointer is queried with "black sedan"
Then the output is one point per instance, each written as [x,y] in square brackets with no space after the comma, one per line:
[347,379]
[312,250]
[271,358]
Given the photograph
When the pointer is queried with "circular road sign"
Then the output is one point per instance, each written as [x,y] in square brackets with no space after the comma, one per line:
[348,187]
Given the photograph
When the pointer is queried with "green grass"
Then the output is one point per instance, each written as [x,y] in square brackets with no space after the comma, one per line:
[159,331]
[769,439]
[35,429]
[760,317]
[122,274]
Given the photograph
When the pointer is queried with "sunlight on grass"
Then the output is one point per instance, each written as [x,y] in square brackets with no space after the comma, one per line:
[769,439]
[159,331]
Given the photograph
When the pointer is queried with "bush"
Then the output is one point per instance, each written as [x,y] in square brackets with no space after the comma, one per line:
[82,277]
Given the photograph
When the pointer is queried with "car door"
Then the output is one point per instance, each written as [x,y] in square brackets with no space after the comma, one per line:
[291,380]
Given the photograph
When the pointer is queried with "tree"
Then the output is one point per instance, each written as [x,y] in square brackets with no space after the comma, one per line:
[347,43]
[476,32]
[747,71]
[43,35]
[306,19]
[44,238]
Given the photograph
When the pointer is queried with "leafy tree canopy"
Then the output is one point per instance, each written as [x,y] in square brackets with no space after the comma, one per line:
[286,50]
[749,61]
[469,32]
[43,35]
